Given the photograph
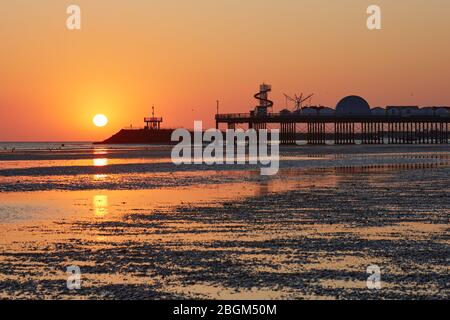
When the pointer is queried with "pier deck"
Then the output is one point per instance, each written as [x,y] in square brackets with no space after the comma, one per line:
[346,129]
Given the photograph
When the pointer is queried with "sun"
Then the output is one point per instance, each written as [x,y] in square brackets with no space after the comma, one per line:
[100,120]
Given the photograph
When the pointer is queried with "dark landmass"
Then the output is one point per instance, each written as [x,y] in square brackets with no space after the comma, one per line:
[140,136]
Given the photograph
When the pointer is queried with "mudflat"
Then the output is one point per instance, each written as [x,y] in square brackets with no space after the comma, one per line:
[139,228]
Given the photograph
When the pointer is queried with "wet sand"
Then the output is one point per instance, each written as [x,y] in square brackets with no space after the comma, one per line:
[139,228]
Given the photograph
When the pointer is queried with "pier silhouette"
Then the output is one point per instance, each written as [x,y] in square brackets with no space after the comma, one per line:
[352,120]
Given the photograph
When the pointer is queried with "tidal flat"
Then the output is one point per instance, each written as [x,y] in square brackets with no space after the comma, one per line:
[140,228]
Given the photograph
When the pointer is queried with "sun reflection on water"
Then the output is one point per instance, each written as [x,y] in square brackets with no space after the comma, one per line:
[100,203]
[100,177]
[100,162]
[98,151]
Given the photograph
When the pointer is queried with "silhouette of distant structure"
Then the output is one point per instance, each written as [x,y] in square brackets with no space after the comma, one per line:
[353,106]
[352,119]
[151,133]
[153,123]
[264,102]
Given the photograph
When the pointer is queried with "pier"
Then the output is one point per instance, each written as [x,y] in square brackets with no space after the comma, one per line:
[351,122]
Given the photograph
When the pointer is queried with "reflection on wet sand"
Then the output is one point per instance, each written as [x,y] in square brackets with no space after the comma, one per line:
[100,162]
[306,233]
[20,207]
[100,151]
[100,203]
[392,167]
[100,177]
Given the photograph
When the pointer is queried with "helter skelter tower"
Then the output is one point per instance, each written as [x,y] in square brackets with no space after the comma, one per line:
[264,102]
[261,110]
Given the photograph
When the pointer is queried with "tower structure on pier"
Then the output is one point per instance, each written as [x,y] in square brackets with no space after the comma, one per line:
[153,123]
[264,102]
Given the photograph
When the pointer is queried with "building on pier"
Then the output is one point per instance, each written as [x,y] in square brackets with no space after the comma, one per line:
[378,111]
[403,110]
[353,105]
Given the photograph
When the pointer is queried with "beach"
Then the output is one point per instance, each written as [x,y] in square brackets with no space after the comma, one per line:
[139,227]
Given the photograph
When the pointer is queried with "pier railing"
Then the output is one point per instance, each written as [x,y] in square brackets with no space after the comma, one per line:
[292,117]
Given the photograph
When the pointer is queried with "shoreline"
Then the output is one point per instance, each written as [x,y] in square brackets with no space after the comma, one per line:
[310,232]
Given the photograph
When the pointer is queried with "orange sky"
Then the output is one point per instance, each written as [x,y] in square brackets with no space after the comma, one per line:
[184,55]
